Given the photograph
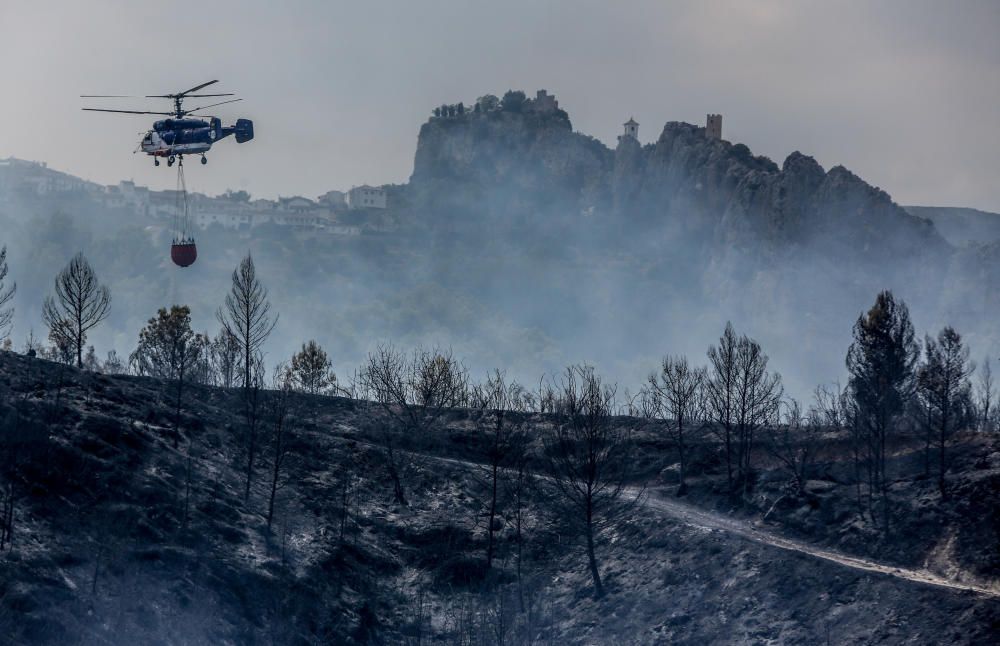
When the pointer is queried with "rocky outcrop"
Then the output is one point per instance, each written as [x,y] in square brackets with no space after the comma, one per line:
[688,231]
[506,163]
[510,164]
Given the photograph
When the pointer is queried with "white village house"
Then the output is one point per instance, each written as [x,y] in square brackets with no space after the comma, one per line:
[366,197]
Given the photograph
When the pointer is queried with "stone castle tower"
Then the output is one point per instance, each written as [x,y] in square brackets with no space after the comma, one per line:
[713,126]
[545,102]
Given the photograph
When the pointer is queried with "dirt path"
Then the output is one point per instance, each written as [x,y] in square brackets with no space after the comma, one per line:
[713,521]
[717,522]
[704,519]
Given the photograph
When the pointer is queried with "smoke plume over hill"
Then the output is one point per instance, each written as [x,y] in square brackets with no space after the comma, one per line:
[525,245]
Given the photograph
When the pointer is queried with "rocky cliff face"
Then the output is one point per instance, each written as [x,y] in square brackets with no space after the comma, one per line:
[687,232]
[507,163]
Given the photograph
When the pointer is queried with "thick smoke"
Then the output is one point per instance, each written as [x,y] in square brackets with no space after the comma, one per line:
[525,246]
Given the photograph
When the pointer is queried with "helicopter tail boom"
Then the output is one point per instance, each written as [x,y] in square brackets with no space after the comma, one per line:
[243,129]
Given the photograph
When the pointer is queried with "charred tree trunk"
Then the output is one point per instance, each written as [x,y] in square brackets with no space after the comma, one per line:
[271,499]
[399,495]
[942,448]
[591,556]
[492,518]
[344,507]
[251,456]
[682,457]
[187,486]
[177,408]
[7,518]
[729,459]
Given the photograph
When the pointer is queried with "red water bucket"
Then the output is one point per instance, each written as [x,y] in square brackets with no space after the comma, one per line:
[183,253]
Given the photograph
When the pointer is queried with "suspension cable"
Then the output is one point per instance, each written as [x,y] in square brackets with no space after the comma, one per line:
[181,208]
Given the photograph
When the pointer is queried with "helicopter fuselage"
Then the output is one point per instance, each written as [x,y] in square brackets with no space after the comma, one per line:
[171,137]
[179,135]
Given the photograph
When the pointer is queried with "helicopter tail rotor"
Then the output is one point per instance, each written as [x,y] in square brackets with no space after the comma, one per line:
[243,130]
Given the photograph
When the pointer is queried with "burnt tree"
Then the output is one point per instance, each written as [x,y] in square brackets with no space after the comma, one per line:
[677,398]
[495,404]
[881,362]
[81,302]
[169,349]
[414,391]
[742,397]
[943,386]
[589,460]
[281,436]
[246,315]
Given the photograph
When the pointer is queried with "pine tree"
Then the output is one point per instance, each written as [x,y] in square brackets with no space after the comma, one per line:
[81,303]
[168,348]
[944,386]
[246,315]
[881,363]
[311,370]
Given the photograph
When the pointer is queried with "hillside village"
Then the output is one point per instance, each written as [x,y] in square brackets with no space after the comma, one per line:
[342,213]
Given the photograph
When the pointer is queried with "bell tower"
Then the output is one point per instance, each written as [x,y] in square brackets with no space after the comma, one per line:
[631,129]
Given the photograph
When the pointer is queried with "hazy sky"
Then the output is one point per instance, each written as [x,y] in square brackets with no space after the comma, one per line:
[904,93]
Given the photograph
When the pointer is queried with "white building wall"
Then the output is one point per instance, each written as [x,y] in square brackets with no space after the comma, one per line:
[366,197]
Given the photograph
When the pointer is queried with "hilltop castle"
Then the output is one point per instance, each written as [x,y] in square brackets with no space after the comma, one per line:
[713,128]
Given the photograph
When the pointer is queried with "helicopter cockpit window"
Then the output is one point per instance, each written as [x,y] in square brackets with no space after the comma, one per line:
[148,139]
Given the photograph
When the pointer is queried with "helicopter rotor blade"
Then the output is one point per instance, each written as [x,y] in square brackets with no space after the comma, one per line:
[171,96]
[212,105]
[108,96]
[194,89]
[126,111]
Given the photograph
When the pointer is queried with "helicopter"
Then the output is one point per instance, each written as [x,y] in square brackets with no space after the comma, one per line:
[179,134]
